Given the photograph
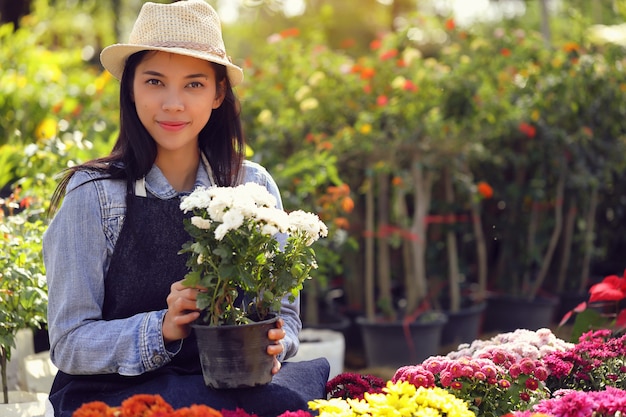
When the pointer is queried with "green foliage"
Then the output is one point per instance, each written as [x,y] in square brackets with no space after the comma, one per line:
[23,287]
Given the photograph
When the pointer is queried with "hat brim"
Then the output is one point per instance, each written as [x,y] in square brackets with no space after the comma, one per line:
[113,59]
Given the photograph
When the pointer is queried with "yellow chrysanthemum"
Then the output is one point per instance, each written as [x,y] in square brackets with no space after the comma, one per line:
[365,128]
[47,129]
[400,399]
[335,407]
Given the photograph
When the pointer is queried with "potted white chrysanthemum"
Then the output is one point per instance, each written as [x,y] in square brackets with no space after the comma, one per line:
[245,255]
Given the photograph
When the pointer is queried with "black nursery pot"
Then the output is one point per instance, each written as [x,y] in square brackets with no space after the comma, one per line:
[235,356]
[507,314]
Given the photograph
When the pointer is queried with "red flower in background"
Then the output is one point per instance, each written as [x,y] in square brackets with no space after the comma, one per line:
[612,288]
[484,189]
[528,129]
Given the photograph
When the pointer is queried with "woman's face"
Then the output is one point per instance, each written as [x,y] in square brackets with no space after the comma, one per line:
[174,96]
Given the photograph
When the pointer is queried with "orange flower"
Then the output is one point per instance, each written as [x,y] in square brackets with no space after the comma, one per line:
[197,411]
[145,405]
[375,44]
[290,33]
[94,409]
[450,24]
[341,223]
[505,52]
[397,181]
[356,69]
[367,73]
[571,47]
[484,189]
[326,145]
[347,204]
[392,53]
[347,43]
[382,100]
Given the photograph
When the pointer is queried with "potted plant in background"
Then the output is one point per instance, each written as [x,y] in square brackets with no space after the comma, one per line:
[234,249]
[23,293]
[539,197]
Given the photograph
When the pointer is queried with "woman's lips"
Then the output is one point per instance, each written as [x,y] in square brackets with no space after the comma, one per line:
[172,126]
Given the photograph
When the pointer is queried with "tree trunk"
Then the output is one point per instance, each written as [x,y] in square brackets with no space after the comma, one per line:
[385,301]
[556,232]
[416,290]
[311,292]
[568,239]
[529,268]
[401,212]
[370,301]
[589,231]
[545,23]
[453,255]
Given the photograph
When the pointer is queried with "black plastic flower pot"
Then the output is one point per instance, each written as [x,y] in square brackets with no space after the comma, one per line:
[235,356]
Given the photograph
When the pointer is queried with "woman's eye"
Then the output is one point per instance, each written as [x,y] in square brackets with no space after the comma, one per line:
[153,81]
[195,84]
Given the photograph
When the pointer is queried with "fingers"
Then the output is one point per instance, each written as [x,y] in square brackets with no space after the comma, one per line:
[275,349]
[181,311]
[276,335]
[276,366]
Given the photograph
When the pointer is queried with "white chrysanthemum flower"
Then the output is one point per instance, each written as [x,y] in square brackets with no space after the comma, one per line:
[269,229]
[201,223]
[273,218]
[199,199]
[261,196]
[308,224]
[231,220]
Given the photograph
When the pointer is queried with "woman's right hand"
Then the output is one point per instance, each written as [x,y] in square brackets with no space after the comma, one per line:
[181,311]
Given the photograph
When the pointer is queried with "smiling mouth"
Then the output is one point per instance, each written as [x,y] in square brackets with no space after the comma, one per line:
[172,126]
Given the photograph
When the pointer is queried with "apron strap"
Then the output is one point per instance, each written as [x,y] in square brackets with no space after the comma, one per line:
[140,187]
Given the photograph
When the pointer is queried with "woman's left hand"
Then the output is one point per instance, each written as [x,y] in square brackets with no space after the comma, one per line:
[276,335]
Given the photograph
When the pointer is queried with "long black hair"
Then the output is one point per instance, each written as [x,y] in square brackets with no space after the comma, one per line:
[221,140]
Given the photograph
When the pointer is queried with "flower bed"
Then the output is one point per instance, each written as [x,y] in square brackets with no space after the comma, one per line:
[516,374]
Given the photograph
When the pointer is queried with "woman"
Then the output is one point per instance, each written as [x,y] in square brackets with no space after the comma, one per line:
[118,316]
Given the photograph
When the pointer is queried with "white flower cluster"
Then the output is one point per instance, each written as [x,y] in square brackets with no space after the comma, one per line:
[522,343]
[232,206]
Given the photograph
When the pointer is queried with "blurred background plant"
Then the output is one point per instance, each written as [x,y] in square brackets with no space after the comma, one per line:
[23,287]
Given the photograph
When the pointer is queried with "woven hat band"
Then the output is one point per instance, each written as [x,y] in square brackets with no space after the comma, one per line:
[193,46]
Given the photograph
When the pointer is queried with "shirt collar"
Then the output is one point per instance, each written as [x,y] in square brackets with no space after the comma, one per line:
[157,184]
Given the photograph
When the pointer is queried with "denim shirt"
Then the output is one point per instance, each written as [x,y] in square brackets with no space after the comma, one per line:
[77,249]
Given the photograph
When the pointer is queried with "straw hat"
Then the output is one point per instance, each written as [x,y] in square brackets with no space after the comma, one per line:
[189,27]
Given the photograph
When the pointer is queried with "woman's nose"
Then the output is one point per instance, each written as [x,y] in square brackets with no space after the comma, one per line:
[173,102]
